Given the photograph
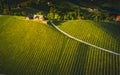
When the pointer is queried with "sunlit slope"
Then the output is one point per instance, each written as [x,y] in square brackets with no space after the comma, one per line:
[32,48]
[104,35]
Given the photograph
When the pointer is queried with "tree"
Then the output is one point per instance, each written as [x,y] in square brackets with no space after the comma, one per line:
[6,11]
[2,5]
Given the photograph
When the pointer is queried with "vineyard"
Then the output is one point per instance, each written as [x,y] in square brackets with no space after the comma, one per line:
[32,48]
[105,35]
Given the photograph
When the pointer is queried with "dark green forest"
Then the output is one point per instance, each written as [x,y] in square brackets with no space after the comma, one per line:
[98,10]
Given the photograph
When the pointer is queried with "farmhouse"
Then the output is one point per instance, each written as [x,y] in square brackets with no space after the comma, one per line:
[35,17]
[38,17]
[118,18]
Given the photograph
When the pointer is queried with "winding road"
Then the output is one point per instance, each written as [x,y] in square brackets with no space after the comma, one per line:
[100,48]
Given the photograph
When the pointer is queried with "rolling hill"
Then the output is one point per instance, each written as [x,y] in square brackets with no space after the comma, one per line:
[102,34]
[33,48]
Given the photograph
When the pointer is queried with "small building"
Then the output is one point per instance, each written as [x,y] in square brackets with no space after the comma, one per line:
[38,17]
[35,17]
[118,18]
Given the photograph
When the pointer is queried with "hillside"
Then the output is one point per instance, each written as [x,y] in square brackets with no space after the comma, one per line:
[33,48]
[102,34]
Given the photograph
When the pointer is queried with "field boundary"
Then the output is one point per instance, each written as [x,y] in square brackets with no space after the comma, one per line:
[68,35]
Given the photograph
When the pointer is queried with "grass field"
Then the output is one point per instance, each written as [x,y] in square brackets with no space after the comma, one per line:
[32,48]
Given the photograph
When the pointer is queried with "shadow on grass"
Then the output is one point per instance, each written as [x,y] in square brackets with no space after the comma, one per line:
[112,28]
[80,60]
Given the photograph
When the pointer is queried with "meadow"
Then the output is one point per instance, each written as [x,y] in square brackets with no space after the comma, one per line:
[33,48]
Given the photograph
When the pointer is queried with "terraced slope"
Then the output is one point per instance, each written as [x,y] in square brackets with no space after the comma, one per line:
[105,35]
[32,48]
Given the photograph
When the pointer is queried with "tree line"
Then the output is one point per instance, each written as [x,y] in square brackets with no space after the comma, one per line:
[54,9]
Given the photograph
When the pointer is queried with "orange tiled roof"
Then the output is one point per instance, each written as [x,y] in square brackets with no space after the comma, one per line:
[118,18]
